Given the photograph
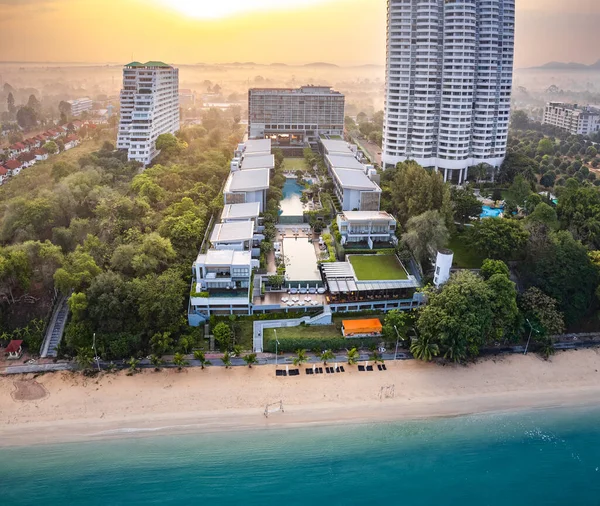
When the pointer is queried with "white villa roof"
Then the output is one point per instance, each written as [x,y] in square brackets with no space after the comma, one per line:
[337,146]
[257,146]
[367,216]
[258,161]
[236,231]
[218,258]
[248,180]
[355,180]
[344,162]
[241,211]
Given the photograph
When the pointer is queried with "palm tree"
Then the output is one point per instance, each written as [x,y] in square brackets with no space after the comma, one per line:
[201,357]
[327,355]
[237,351]
[84,358]
[376,357]
[226,360]
[547,348]
[300,357]
[133,364]
[250,359]
[353,356]
[423,349]
[180,361]
[157,362]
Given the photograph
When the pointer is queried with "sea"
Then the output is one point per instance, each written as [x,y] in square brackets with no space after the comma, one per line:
[548,457]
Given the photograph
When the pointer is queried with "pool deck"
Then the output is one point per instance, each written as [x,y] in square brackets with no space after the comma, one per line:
[274,299]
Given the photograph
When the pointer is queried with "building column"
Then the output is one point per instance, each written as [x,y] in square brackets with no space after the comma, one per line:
[460,176]
[445,175]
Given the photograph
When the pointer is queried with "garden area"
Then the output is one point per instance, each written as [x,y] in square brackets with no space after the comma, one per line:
[294,164]
[377,267]
[466,255]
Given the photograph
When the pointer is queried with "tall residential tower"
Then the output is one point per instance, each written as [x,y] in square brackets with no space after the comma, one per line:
[448,83]
[149,108]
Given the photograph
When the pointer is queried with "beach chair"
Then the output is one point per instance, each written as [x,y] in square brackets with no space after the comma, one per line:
[320,370]
[361,368]
[379,367]
[384,367]
[369,368]
[342,368]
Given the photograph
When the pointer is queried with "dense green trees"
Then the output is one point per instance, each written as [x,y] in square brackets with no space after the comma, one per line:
[465,204]
[426,234]
[501,239]
[465,314]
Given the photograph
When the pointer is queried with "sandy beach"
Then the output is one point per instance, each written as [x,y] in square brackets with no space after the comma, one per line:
[62,407]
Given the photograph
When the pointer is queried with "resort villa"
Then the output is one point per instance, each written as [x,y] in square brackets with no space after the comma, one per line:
[222,284]
[355,190]
[241,212]
[246,186]
[253,154]
[367,227]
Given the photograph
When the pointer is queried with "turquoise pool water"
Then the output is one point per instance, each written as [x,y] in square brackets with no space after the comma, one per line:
[490,212]
[291,208]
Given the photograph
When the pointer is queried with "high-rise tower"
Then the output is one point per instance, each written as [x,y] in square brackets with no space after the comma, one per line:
[149,108]
[448,83]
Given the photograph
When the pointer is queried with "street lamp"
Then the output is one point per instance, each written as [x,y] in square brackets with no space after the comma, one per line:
[530,332]
[397,342]
[95,352]
[276,343]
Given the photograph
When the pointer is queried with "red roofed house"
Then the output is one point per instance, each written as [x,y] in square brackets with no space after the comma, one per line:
[17,148]
[41,154]
[27,159]
[71,141]
[3,174]
[14,350]
[13,166]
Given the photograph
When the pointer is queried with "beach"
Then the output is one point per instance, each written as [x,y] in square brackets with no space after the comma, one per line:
[68,407]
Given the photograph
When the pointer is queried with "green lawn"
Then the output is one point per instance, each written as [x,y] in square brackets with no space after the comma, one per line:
[294,164]
[305,332]
[465,256]
[377,267]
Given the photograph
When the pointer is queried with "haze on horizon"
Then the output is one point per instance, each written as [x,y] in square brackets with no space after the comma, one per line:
[346,32]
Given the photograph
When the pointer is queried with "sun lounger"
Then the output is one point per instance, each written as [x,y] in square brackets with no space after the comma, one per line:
[361,368]
[369,368]
[320,370]
[342,368]
[384,367]
[379,367]
[295,372]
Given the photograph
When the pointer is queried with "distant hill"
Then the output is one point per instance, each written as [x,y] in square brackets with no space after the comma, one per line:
[557,65]
[278,65]
[322,65]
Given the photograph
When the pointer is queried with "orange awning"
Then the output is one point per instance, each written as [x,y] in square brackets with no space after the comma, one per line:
[369,326]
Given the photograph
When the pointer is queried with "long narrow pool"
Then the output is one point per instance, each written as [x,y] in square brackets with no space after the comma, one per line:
[291,208]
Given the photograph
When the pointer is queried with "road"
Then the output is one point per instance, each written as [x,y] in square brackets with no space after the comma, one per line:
[373,149]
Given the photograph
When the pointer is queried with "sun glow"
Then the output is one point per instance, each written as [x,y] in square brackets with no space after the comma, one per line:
[214,9]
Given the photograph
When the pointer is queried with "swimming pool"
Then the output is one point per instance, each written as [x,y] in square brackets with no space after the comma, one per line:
[291,208]
[491,212]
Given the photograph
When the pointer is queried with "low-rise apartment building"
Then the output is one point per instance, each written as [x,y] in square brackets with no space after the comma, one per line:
[572,118]
[355,190]
[246,186]
[80,105]
[367,227]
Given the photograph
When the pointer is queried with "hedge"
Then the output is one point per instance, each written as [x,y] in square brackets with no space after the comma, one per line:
[291,344]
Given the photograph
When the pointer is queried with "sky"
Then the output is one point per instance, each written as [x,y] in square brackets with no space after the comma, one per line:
[346,32]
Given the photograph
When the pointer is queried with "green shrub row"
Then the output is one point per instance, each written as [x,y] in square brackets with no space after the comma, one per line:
[291,344]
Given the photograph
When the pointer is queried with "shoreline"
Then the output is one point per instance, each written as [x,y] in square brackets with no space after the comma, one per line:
[113,406]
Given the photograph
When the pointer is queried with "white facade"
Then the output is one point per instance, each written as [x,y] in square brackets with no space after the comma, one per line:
[80,105]
[572,118]
[355,191]
[449,81]
[149,108]
[247,186]
[367,226]
[293,117]
[443,266]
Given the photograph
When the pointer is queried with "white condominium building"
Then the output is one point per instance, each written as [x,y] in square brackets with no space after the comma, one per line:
[149,108]
[293,117]
[448,83]
[572,118]
[80,105]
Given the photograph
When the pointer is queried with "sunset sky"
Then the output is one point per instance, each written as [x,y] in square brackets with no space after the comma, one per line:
[264,31]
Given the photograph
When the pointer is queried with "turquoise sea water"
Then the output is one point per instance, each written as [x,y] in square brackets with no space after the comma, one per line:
[534,458]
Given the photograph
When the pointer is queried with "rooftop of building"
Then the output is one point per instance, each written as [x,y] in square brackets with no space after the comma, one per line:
[258,161]
[236,231]
[137,64]
[248,211]
[221,258]
[344,162]
[354,180]
[366,216]
[309,89]
[336,146]
[248,180]
[253,146]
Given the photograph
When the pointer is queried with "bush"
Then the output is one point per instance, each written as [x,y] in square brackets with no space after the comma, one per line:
[290,345]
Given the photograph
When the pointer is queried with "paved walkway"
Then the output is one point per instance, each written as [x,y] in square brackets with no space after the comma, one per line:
[37,368]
